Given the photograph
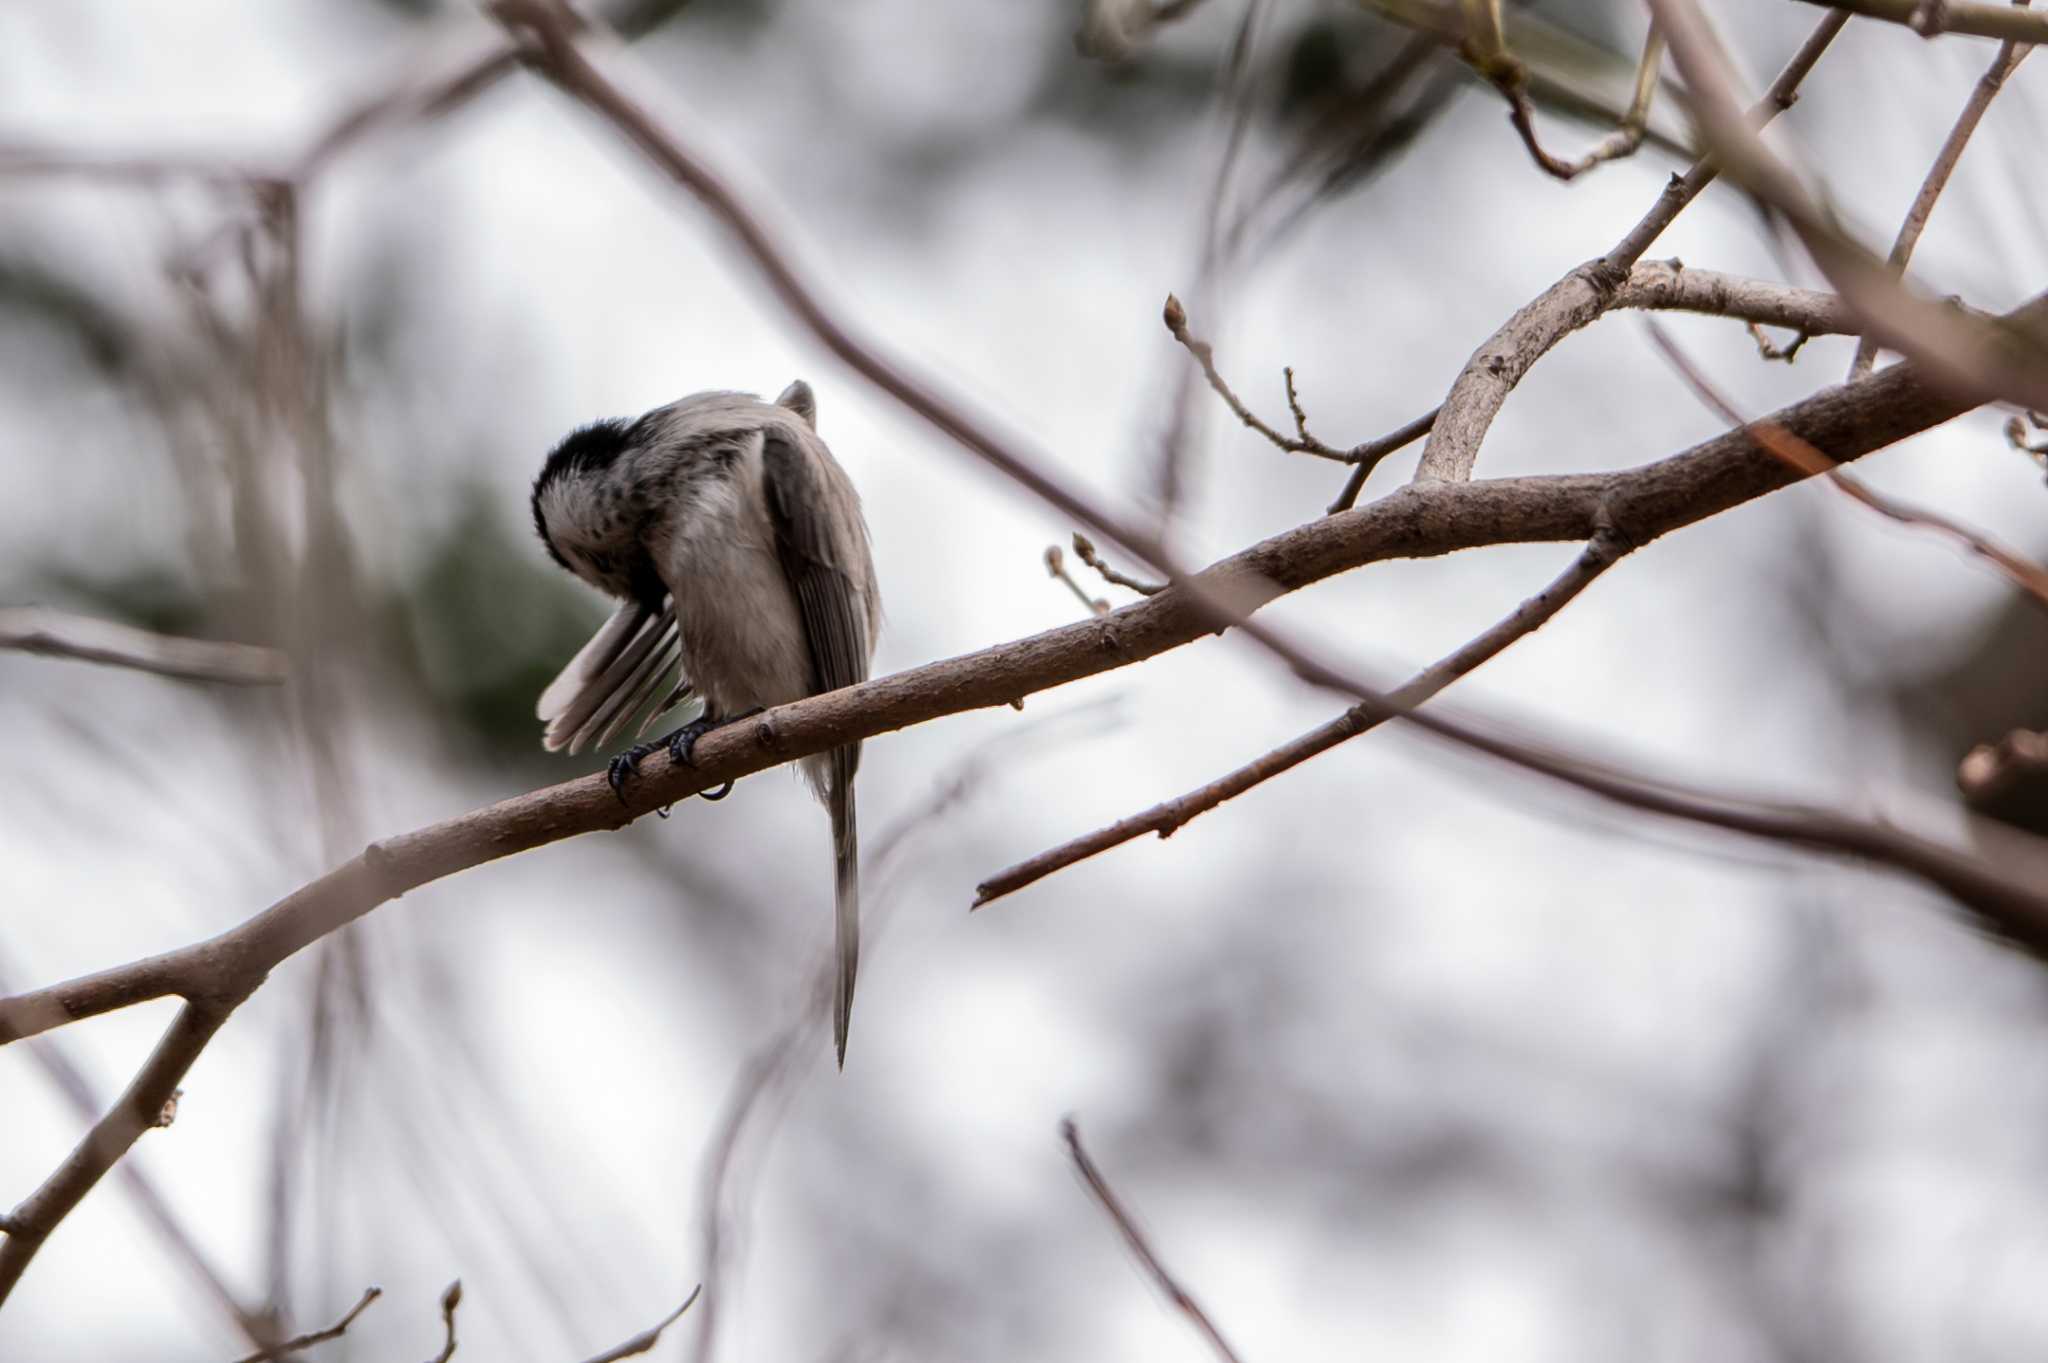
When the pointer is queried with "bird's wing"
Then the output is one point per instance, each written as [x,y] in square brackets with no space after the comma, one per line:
[820,556]
[627,662]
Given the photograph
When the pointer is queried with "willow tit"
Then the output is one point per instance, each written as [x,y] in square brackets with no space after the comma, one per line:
[736,545]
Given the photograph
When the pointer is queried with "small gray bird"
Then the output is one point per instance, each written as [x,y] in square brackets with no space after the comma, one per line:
[735,543]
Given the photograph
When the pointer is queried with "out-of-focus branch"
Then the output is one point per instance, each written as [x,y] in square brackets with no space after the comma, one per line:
[1141,1248]
[1115,30]
[1931,18]
[2010,54]
[307,1341]
[2022,572]
[57,634]
[1979,359]
[1990,773]
[648,1338]
[2006,890]
[1167,818]
[1583,294]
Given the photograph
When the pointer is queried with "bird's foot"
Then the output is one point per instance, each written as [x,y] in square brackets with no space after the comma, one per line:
[682,744]
[627,764]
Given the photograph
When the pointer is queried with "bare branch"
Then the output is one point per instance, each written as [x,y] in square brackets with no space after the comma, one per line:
[646,1339]
[1600,554]
[1660,285]
[1056,568]
[2028,576]
[57,634]
[2010,54]
[1370,454]
[1085,547]
[1770,351]
[307,1341]
[1931,18]
[1147,1258]
[1980,359]
[2005,890]
[1583,294]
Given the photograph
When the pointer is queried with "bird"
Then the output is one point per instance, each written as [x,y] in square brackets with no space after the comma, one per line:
[735,545]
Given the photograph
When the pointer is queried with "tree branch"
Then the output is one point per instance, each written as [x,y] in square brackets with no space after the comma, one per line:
[1931,18]
[307,1341]
[646,1339]
[1183,1301]
[1581,296]
[2017,569]
[136,1111]
[57,634]
[1979,359]
[2010,54]
[1602,552]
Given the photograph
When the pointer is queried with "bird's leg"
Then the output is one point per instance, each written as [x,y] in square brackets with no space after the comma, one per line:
[681,745]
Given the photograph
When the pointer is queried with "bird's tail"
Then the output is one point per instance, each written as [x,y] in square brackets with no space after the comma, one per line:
[845,893]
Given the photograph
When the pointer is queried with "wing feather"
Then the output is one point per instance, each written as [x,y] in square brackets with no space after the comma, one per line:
[616,673]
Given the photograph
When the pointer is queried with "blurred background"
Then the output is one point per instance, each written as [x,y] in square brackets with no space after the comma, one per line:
[1401,1055]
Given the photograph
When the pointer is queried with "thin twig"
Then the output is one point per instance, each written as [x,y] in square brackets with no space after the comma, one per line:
[2010,54]
[1372,451]
[646,1339]
[1176,444]
[58,634]
[1056,567]
[450,1299]
[1769,350]
[1582,295]
[307,1341]
[2022,572]
[1164,819]
[1089,555]
[1134,1237]
[1931,18]
[2006,889]
[1978,358]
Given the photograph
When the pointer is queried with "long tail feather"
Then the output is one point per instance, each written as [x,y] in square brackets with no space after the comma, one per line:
[845,894]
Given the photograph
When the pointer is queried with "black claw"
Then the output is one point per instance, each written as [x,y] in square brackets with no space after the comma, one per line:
[718,794]
[626,764]
[682,744]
